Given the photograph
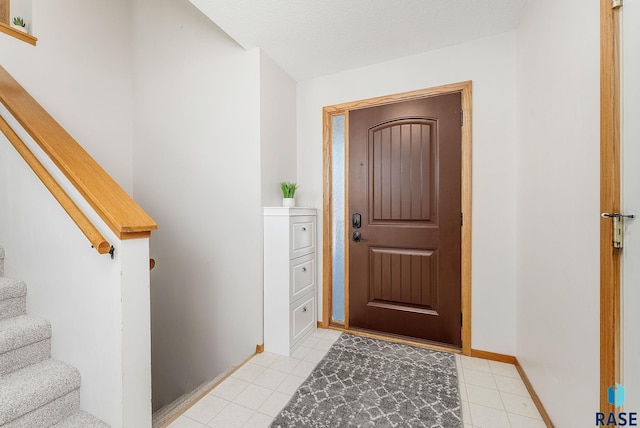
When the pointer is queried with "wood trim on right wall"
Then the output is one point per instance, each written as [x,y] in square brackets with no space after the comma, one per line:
[609,199]
[534,396]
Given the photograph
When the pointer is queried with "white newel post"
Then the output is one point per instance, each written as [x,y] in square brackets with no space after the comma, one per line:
[136,334]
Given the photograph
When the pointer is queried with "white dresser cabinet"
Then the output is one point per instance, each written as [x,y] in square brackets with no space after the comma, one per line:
[289,277]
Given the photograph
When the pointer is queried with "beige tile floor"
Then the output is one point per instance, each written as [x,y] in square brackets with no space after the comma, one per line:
[492,393]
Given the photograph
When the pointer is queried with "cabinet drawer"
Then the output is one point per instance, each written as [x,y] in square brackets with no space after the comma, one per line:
[302,317]
[303,276]
[303,236]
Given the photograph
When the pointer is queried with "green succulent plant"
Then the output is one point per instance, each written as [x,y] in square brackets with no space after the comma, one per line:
[19,22]
[288,189]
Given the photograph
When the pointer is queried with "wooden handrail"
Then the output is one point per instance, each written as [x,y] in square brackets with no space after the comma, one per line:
[116,208]
[89,230]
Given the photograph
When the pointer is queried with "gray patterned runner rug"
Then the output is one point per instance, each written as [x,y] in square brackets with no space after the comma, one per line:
[364,382]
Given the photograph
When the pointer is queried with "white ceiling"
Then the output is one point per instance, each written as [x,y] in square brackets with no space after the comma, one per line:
[310,38]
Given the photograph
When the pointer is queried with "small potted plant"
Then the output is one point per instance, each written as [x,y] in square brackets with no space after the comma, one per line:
[18,23]
[288,194]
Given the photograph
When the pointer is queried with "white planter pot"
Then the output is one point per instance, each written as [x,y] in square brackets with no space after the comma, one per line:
[288,202]
[17,27]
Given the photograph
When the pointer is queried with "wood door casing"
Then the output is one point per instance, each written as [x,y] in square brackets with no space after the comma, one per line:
[610,189]
[405,181]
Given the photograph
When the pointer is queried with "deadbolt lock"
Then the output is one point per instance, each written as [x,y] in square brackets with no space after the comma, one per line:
[356,221]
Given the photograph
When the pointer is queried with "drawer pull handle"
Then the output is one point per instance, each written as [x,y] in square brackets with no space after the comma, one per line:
[304,269]
[304,309]
[304,229]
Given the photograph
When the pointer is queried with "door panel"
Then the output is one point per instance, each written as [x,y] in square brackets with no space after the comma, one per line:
[398,275]
[402,169]
[404,180]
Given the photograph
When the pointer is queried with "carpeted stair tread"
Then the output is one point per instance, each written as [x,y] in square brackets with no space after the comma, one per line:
[25,356]
[11,288]
[24,340]
[81,420]
[22,330]
[35,386]
[49,414]
[13,298]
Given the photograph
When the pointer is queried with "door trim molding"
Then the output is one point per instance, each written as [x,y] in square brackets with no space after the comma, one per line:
[609,199]
[465,89]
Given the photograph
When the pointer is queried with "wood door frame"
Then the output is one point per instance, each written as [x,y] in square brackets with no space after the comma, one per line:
[609,199]
[464,88]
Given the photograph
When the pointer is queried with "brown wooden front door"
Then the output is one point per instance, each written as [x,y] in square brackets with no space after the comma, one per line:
[405,185]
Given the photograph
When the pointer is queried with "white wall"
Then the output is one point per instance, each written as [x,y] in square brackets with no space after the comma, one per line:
[81,74]
[490,64]
[557,206]
[197,168]
[277,130]
[98,307]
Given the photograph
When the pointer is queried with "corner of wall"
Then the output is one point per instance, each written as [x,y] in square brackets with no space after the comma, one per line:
[278,115]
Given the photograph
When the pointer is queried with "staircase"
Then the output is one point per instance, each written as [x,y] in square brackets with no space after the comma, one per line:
[35,389]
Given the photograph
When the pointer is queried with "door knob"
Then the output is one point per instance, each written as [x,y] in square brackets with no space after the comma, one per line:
[357,237]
